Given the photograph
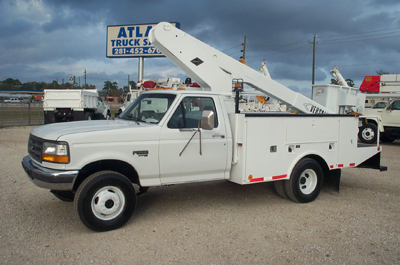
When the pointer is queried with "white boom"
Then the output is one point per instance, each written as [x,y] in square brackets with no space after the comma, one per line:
[338,76]
[214,70]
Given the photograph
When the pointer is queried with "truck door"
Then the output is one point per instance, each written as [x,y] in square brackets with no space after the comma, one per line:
[391,115]
[100,105]
[179,164]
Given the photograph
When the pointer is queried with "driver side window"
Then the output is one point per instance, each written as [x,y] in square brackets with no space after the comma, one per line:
[188,113]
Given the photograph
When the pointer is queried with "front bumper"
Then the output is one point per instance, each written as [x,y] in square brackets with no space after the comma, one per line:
[49,178]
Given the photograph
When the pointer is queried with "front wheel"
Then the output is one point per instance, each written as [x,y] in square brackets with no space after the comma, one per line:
[66,196]
[368,133]
[305,182]
[108,116]
[105,201]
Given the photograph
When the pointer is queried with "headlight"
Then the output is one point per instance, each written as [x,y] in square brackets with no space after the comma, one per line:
[55,152]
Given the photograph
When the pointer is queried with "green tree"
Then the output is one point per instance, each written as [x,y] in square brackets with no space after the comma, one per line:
[11,83]
[125,89]
[109,86]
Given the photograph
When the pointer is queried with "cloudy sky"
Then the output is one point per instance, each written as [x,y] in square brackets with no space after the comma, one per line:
[46,40]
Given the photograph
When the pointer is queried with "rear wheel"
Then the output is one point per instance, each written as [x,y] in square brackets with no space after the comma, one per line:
[368,133]
[105,201]
[280,188]
[88,116]
[305,182]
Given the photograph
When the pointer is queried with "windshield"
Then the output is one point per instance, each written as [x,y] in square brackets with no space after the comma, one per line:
[148,108]
[380,105]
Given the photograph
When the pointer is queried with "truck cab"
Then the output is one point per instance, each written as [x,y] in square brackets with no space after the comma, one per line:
[389,128]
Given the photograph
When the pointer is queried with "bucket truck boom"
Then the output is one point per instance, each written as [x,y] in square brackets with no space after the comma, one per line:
[214,70]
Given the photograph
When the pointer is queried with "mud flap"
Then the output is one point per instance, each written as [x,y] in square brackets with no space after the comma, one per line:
[333,177]
[373,162]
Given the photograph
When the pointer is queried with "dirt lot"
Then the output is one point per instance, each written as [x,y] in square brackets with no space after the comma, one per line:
[207,223]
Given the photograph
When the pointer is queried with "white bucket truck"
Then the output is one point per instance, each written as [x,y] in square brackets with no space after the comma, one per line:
[194,136]
[73,105]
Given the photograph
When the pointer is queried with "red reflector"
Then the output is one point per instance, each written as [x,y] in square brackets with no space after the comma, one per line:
[279,177]
[240,144]
[340,165]
[352,164]
[331,166]
[256,180]
[379,148]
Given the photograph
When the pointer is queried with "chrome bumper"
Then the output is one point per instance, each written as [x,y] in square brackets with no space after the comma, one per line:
[49,178]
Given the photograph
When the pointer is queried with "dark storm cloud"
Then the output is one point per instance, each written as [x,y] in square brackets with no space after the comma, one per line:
[66,32]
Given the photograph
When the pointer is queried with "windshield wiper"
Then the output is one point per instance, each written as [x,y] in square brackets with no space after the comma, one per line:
[131,117]
[136,120]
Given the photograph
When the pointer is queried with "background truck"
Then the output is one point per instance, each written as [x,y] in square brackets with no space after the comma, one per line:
[381,121]
[73,105]
[195,136]
[388,83]
[378,87]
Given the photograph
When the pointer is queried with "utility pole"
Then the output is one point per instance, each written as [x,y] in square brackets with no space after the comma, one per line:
[85,77]
[244,49]
[313,60]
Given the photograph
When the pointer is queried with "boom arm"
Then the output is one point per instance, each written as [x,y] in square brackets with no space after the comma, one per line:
[338,76]
[214,70]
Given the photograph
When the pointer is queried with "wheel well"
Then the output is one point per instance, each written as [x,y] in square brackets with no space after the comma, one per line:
[115,165]
[371,121]
[322,163]
[88,110]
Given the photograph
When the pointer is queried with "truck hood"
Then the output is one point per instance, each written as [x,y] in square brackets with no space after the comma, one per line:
[373,112]
[55,131]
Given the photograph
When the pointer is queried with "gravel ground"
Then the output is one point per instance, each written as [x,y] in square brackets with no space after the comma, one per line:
[207,223]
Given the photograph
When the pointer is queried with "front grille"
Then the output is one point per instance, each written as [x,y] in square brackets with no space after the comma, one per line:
[35,147]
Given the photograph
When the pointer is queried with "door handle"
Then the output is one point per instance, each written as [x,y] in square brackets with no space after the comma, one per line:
[218,135]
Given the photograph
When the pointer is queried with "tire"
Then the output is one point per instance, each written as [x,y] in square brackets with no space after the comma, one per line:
[368,133]
[64,195]
[386,139]
[305,181]
[88,116]
[280,188]
[105,201]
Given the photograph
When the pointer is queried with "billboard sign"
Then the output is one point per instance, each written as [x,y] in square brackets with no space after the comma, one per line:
[131,41]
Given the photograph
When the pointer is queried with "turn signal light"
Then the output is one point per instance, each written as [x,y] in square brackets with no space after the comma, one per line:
[56,159]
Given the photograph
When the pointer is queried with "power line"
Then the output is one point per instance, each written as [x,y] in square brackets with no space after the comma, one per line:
[355,33]
[294,49]
[303,40]
[357,40]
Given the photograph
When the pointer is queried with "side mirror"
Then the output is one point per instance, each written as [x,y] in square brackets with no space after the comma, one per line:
[207,120]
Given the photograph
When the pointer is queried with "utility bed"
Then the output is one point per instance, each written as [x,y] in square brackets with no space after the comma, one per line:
[266,146]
